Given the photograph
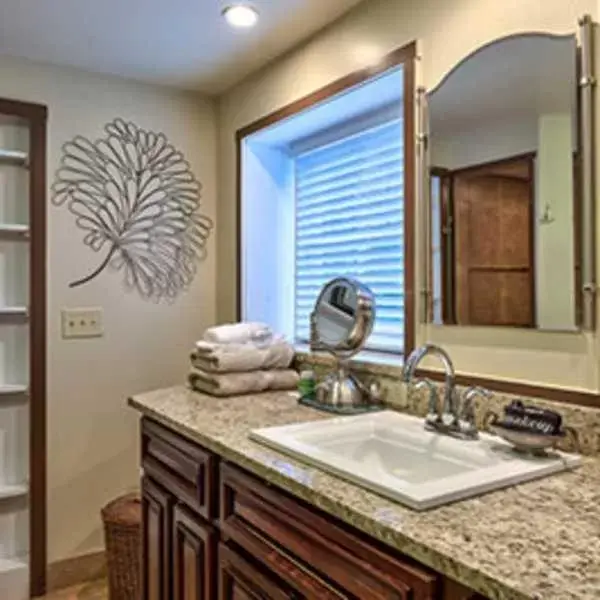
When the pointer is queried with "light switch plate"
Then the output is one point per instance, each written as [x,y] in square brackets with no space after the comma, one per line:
[82,322]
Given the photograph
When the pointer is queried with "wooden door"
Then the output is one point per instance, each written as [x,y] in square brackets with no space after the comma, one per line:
[493,237]
[157,515]
[194,557]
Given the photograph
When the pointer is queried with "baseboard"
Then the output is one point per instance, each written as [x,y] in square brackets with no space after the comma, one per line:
[79,569]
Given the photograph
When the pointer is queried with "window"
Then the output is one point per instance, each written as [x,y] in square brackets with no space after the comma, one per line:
[323,195]
[350,222]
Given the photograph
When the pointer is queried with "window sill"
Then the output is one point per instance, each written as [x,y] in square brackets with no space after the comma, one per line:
[367,361]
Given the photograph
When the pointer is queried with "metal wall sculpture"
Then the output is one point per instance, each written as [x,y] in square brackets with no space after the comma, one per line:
[138,202]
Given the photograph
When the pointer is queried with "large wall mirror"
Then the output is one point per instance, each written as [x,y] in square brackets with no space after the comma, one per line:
[505,187]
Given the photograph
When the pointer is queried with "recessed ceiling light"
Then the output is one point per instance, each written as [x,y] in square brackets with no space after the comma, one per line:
[241,15]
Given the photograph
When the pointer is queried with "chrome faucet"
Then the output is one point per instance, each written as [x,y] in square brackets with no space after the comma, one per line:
[454,417]
[413,361]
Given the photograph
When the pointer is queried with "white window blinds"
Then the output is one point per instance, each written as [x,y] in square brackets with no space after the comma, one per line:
[350,222]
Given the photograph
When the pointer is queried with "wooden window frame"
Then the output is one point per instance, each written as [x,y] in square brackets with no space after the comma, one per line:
[405,57]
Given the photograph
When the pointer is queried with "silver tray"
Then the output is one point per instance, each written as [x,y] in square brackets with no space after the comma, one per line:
[525,441]
[341,409]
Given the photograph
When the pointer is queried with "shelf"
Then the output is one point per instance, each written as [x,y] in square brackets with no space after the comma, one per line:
[13,564]
[11,389]
[13,315]
[13,232]
[8,389]
[14,577]
[10,490]
[13,157]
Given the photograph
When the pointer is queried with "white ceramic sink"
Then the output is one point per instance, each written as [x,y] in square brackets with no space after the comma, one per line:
[392,454]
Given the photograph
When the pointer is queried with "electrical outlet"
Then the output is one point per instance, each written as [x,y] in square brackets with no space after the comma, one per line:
[82,322]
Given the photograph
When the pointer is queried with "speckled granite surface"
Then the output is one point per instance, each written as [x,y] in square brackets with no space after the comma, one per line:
[540,540]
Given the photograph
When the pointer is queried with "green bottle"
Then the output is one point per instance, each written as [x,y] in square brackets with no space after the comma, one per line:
[307,385]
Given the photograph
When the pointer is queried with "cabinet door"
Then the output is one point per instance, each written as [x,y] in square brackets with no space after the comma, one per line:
[194,573]
[157,515]
[239,580]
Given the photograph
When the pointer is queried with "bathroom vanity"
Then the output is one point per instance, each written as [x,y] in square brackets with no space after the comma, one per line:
[227,518]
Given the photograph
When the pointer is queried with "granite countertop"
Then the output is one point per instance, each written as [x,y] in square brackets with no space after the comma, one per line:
[539,540]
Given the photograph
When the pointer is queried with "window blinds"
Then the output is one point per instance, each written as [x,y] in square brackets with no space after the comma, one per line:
[350,222]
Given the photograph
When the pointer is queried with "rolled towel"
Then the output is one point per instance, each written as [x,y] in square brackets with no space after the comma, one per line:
[238,333]
[234,384]
[228,358]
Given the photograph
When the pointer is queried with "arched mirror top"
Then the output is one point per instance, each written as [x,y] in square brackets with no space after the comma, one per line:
[517,77]
[518,43]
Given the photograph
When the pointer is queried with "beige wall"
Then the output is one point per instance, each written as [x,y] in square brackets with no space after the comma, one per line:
[457,149]
[447,31]
[92,435]
[555,243]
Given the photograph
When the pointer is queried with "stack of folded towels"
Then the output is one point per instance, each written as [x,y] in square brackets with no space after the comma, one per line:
[241,358]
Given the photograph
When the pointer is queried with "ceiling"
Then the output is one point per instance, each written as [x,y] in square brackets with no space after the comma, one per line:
[182,43]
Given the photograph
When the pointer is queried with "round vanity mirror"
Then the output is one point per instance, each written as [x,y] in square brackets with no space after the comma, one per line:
[343,317]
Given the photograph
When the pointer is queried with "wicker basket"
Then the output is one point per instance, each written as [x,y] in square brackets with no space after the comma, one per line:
[122,520]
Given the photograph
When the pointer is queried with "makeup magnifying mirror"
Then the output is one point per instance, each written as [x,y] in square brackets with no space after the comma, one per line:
[341,323]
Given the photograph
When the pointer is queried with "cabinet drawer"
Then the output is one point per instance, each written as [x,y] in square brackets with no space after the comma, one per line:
[250,578]
[184,468]
[251,511]
[240,580]
[302,581]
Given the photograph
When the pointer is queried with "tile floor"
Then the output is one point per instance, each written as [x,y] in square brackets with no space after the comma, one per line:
[95,590]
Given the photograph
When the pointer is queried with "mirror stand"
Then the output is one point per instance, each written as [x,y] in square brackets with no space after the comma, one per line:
[340,324]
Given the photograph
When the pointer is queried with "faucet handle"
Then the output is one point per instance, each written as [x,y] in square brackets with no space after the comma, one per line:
[467,409]
[476,390]
[433,411]
[421,382]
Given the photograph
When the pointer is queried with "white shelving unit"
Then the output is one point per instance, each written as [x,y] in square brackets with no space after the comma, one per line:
[14,360]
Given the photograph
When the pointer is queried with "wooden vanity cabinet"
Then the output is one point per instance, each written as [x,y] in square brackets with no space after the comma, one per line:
[179,539]
[211,531]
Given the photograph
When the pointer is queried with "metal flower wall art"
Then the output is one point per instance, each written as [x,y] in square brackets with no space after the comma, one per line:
[138,202]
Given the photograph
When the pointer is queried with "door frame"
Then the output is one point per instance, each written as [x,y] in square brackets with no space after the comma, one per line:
[36,117]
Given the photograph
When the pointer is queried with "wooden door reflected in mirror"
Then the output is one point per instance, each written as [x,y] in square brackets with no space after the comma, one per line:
[485,215]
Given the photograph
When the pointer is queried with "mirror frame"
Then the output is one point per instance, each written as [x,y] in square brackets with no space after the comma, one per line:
[585,228]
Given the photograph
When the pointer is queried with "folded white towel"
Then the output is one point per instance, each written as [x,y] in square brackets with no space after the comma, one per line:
[228,358]
[233,384]
[238,333]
